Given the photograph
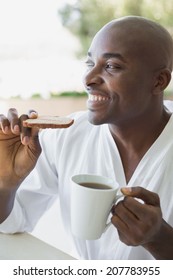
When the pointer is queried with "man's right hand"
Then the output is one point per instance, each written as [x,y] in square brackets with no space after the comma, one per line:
[19,151]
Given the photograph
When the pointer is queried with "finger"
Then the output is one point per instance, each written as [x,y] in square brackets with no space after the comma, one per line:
[32,114]
[119,224]
[125,214]
[148,197]
[14,120]
[116,219]
[142,211]
[27,133]
[4,124]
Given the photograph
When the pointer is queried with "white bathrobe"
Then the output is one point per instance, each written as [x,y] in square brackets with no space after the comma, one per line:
[85,148]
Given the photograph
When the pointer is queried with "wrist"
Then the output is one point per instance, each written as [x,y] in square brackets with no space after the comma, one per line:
[160,246]
[7,198]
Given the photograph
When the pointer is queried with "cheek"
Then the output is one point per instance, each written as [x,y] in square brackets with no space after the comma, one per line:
[121,84]
[129,92]
[127,99]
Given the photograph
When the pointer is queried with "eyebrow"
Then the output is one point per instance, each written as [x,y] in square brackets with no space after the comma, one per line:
[110,55]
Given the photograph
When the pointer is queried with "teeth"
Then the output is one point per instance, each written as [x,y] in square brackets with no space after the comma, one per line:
[97,97]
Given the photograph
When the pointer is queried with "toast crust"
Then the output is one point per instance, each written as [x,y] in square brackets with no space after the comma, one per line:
[48,122]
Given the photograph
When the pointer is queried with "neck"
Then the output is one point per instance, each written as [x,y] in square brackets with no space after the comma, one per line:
[135,138]
[138,132]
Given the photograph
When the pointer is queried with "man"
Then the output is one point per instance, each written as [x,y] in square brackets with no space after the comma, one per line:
[128,138]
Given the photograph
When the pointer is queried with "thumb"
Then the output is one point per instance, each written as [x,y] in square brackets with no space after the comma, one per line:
[148,197]
[34,142]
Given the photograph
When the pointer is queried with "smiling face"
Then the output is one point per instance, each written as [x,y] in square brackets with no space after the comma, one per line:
[121,74]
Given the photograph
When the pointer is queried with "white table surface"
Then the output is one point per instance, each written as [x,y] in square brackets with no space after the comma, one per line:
[24,246]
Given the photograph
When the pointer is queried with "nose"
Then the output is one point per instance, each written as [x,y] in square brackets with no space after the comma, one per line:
[92,77]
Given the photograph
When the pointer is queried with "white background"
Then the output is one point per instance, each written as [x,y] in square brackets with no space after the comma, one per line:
[36,52]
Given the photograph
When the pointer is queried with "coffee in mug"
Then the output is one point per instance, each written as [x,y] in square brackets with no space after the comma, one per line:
[95,186]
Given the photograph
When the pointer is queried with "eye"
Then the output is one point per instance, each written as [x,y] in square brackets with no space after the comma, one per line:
[113,66]
[89,63]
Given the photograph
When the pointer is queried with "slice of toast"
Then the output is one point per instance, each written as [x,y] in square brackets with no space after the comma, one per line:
[48,122]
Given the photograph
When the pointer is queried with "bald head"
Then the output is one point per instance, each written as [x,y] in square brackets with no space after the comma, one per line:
[150,39]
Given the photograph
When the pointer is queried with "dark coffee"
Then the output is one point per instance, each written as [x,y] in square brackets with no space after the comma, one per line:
[95,186]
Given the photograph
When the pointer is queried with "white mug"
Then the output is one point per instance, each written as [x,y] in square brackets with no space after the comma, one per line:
[92,197]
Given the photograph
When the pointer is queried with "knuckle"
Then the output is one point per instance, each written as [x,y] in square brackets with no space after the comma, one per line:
[2,117]
[3,121]
[32,111]
[127,200]
[118,207]
[138,189]
[157,198]
[12,111]
[23,117]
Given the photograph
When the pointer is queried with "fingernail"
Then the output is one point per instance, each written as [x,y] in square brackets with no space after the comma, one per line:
[113,210]
[25,140]
[33,115]
[126,191]
[6,129]
[16,129]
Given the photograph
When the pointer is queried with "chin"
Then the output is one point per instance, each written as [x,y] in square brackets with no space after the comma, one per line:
[95,120]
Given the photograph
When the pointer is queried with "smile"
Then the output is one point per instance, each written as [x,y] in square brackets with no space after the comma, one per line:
[97,98]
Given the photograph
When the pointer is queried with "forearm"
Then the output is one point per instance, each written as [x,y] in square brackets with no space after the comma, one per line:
[162,246]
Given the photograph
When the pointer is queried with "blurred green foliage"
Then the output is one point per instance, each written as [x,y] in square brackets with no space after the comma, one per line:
[68,94]
[73,93]
[85,17]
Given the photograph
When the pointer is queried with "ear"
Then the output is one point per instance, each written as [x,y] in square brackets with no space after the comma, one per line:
[162,80]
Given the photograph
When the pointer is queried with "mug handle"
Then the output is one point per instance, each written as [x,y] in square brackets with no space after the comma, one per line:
[115,200]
